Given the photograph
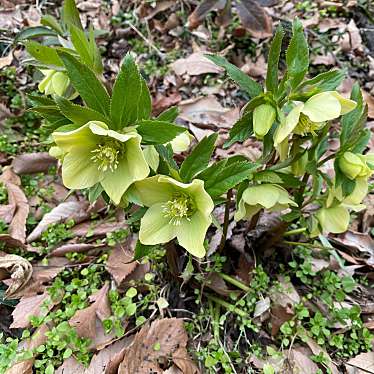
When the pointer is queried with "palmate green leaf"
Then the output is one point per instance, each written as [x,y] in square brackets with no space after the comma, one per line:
[41,100]
[33,32]
[70,14]
[95,52]
[131,100]
[43,53]
[157,132]
[167,162]
[227,177]
[52,114]
[297,55]
[247,84]
[273,60]
[78,114]
[199,158]
[241,130]
[86,83]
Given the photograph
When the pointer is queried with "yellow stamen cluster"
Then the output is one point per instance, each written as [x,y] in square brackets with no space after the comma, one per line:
[178,208]
[106,156]
[306,126]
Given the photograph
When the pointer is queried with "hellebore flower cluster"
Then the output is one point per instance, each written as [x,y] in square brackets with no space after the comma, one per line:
[311,116]
[95,154]
[176,210]
[269,196]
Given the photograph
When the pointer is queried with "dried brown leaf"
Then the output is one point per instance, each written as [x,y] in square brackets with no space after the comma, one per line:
[195,64]
[162,339]
[120,264]
[84,320]
[200,12]
[208,111]
[300,361]
[20,272]
[30,163]
[370,102]
[254,18]
[76,210]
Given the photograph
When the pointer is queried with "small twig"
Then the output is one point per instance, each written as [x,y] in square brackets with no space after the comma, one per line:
[226,221]
[294,232]
[150,44]
[234,282]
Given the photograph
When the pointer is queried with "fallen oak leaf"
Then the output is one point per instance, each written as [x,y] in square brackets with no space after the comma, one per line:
[20,270]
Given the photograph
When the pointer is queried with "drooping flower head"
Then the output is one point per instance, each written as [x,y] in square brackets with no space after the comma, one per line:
[95,154]
[355,165]
[263,118]
[310,116]
[54,82]
[176,210]
[269,196]
[333,219]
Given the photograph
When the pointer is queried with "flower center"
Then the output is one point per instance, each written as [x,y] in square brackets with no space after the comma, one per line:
[179,207]
[305,125]
[106,156]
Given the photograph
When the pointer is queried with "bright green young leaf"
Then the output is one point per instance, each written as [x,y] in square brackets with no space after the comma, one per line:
[199,158]
[297,55]
[247,84]
[169,114]
[42,53]
[273,60]
[130,99]
[241,130]
[79,115]
[157,132]
[70,14]
[86,83]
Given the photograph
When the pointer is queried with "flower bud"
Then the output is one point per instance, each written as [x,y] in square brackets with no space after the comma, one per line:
[263,118]
[181,142]
[354,165]
[54,82]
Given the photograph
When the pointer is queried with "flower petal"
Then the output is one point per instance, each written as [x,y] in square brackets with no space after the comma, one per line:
[151,156]
[334,220]
[287,126]
[191,234]
[346,104]
[60,83]
[150,191]
[322,107]
[202,199]
[246,211]
[155,227]
[78,170]
[131,168]
[181,142]
[266,195]
[79,138]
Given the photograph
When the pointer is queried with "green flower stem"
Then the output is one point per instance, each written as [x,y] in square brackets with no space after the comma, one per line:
[307,245]
[226,221]
[294,232]
[324,160]
[228,306]
[234,282]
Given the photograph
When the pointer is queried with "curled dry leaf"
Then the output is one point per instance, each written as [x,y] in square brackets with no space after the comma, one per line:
[16,199]
[20,272]
[208,111]
[30,163]
[162,339]
[195,64]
